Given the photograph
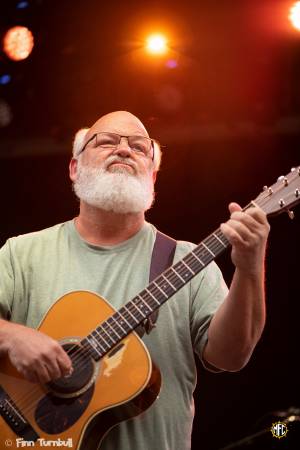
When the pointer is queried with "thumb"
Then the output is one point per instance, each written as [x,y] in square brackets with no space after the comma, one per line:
[233,207]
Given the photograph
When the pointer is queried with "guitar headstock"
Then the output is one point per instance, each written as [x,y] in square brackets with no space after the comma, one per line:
[282,195]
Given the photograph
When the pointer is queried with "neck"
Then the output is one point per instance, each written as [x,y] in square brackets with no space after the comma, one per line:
[100,227]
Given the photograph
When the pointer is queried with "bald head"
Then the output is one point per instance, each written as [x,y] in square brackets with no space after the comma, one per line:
[120,122]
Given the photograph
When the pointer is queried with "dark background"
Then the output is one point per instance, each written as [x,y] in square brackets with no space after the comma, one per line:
[228,117]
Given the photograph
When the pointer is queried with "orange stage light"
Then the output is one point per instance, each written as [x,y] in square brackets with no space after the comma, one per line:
[156,44]
[295,15]
[18,43]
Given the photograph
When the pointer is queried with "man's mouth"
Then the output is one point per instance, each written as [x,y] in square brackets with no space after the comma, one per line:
[122,164]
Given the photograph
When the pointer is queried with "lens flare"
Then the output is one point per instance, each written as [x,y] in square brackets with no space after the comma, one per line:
[157,44]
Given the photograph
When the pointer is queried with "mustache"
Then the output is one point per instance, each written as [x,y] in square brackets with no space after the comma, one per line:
[113,159]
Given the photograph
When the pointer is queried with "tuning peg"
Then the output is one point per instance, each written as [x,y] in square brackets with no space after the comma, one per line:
[291,214]
[283,179]
[266,188]
[293,169]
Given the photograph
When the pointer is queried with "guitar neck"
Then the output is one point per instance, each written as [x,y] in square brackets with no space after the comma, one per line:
[103,338]
[276,199]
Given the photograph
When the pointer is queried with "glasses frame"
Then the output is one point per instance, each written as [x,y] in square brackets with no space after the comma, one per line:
[120,136]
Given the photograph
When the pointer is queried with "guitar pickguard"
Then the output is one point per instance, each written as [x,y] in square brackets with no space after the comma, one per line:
[55,414]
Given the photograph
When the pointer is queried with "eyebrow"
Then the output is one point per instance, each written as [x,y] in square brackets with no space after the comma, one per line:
[136,133]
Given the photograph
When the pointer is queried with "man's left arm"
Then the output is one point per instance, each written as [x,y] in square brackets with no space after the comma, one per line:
[238,323]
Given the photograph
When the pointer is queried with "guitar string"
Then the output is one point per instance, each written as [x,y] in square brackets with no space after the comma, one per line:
[80,349]
[173,281]
[176,278]
[259,202]
[173,278]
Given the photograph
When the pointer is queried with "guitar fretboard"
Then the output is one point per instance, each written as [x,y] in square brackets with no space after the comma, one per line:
[107,335]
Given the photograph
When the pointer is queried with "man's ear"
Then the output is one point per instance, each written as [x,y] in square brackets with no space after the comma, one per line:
[154,175]
[73,169]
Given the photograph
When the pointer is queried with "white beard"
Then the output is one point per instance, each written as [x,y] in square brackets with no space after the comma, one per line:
[118,191]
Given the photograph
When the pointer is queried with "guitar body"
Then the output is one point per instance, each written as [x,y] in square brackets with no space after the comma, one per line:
[114,378]
[103,393]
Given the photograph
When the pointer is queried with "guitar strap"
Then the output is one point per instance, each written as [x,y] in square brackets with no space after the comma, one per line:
[162,258]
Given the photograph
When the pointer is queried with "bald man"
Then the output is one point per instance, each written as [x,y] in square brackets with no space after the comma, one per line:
[107,249]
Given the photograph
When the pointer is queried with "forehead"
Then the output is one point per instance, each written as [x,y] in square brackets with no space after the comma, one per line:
[124,124]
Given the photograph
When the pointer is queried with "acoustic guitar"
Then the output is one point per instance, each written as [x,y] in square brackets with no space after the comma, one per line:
[114,378]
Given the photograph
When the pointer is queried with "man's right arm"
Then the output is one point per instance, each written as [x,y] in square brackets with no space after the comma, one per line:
[38,357]
[35,355]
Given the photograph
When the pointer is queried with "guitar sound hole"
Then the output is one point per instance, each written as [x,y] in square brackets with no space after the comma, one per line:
[80,379]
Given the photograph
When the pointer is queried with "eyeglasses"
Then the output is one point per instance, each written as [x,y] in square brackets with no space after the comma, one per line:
[139,144]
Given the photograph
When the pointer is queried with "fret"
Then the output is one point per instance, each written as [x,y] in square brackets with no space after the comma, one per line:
[136,306]
[128,310]
[102,328]
[145,303]
[169,282]
[192,272]
[208,249]
[214,234]
[180,266]
[149,292]
[201,262]
[160,289]
[93,344]
[99,332]
[125,320]
[111,326]
[122,322]
[119,324]
[95,331]
[86,345]
[176,273]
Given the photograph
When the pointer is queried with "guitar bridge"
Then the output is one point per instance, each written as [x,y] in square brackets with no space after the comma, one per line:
[15,419]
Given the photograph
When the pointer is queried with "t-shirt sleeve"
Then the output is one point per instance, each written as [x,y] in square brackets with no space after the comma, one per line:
[208,292]
[6,282]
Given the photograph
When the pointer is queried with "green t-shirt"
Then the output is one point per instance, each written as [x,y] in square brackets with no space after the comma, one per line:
[38,268]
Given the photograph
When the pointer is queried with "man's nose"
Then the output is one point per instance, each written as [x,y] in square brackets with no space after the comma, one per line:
[123,148]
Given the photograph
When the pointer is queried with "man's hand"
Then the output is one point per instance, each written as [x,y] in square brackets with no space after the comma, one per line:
[239,321]
[36,356]
[247,232]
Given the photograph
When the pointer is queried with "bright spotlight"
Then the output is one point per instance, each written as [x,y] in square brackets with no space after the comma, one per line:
[18,43]
[295,15]
[157,44]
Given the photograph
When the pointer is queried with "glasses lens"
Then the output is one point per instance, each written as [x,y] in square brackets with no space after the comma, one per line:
[107,140]
[140,144]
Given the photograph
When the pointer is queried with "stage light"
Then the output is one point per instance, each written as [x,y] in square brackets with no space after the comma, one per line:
[295,15]
[18,43]
[22,5]
[5,78]
[157,44]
